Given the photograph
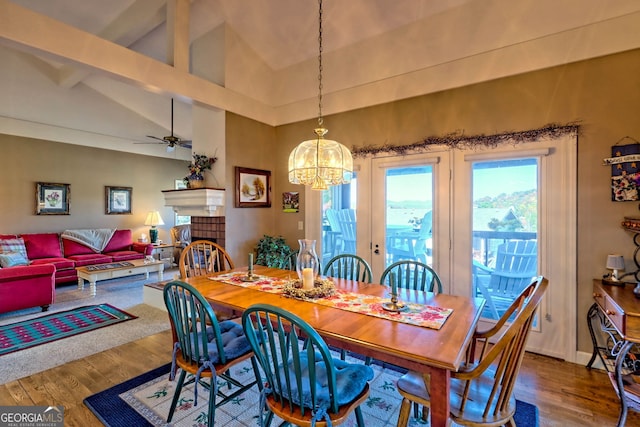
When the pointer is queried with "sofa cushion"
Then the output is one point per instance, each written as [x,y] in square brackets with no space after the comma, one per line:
[90,259]
[12,259]
[69,248]
[13,245]
[42,245]
[124,255]
[60,263]
[120,241]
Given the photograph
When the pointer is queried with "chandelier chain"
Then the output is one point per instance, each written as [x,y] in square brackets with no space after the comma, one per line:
[320,119]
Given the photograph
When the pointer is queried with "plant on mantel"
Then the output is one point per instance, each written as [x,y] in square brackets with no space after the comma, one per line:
[197,167]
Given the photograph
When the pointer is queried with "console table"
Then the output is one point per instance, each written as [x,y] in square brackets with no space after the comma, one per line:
[614,325]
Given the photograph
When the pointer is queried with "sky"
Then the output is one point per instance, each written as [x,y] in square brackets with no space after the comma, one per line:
[487,182]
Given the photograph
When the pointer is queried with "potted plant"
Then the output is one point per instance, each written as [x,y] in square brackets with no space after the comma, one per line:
[272,252]
[200,163]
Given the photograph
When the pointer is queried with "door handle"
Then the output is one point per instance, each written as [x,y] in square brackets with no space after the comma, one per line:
[376,250]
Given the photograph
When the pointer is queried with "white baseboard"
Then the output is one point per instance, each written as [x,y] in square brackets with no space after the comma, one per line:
[582,358]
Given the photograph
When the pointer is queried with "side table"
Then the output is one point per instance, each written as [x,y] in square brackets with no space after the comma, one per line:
[163,252]
[614,325]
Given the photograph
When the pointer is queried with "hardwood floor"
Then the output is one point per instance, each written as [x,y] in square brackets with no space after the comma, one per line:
[566,394]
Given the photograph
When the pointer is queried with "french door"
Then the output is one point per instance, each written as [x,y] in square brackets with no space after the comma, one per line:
[461,211]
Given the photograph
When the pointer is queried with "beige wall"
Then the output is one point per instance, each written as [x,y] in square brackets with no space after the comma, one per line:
[250,144]
[603,95]
[88,170]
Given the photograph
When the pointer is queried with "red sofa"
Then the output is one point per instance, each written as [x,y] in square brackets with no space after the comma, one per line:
[53,260]
[27,286]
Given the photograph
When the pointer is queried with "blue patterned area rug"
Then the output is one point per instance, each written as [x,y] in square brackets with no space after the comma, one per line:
[144,401]
[54,326]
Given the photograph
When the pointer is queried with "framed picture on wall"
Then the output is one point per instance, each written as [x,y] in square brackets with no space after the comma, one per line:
[117,200]
[52,199]
[253,188]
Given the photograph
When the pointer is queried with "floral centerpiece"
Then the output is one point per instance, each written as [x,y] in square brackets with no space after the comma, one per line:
[200,163]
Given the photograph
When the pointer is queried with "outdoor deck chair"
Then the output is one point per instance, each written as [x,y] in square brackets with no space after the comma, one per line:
[516,265]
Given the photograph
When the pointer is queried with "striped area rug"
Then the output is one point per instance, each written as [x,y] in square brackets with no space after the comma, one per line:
[55,326]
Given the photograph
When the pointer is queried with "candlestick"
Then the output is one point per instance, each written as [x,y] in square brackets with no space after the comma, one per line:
[394,285]
[251,263]
[307,278]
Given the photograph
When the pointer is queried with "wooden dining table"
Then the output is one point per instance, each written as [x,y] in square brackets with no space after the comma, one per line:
[433,352]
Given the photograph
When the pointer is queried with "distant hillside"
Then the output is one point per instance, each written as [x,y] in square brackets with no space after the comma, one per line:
[410,204]
[525,204]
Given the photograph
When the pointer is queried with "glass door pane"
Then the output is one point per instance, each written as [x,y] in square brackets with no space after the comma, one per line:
[339,220]
[409,218]
[505,237]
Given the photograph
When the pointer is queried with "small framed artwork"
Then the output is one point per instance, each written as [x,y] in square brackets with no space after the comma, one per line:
[290,201]
[117,200]
[253,188]
[52,199]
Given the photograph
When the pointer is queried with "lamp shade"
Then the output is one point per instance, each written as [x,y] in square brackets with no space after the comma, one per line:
[153,219]
[320,162]
[615,262]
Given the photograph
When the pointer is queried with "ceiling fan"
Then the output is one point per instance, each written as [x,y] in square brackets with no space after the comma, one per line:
[171,141]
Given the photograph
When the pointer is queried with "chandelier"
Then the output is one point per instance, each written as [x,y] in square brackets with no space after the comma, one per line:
[320,162]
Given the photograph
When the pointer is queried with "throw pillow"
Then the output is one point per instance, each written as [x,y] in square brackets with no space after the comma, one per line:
[12,259]
[13,245]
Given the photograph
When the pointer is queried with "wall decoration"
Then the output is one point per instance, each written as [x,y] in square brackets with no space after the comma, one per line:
[52,199]
[460,140]
[625,171]
[253,188]
[290,201]
[117,200]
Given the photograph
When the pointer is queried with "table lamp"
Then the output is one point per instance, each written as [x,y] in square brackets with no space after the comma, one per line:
[615,262]
[153,219]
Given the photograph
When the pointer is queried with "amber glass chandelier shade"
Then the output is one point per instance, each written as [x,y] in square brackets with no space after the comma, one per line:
[320,163]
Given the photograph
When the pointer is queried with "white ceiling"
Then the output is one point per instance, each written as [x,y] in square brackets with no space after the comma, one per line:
[375,51]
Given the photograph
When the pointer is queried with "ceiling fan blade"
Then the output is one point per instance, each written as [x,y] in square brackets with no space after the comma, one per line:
[149,142]
[155,137]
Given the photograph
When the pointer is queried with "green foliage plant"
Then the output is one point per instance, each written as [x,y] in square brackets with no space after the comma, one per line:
[273,252]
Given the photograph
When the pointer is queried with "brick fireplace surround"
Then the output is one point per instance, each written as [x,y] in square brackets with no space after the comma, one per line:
[208,228]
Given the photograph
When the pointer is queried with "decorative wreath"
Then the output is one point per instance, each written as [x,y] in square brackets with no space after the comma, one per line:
[322,288]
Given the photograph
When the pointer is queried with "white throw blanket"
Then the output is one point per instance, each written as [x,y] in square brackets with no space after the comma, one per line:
[94,238]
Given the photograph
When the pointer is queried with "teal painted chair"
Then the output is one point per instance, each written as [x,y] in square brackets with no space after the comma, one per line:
[304,384]
[348,266]
[413,275]
[204,347]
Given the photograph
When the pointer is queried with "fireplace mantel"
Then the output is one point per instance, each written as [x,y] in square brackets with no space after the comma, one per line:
[207,202]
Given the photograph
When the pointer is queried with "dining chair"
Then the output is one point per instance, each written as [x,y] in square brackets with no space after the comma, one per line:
[203,257]
[304,385]
[292,260]
[413,275]
[204,347]
[482,390]
[348,266]
[516,264]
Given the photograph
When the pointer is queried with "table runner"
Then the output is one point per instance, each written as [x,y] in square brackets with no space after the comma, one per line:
[415,314]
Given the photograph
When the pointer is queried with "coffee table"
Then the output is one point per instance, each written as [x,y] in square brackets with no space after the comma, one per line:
[113,270]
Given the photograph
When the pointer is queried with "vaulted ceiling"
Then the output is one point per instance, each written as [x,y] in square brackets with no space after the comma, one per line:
[105,71]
